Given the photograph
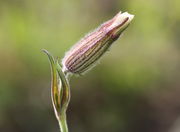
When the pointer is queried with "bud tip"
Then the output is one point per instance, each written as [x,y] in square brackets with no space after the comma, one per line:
[120,18]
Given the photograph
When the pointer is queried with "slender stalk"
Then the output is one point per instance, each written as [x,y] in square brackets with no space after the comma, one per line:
[63,123]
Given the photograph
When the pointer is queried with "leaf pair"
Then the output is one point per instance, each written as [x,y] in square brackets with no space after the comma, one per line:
[60,90]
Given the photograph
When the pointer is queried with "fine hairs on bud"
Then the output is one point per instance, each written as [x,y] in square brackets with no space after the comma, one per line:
[83,55]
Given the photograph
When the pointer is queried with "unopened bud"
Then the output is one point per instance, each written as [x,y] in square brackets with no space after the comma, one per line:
[87,51]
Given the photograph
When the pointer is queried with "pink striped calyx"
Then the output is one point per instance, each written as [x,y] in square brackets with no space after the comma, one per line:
[83,55]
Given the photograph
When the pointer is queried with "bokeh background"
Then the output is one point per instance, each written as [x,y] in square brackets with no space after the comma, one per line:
[135,88]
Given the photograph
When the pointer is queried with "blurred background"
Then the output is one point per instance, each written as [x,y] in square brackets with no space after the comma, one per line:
[135,88]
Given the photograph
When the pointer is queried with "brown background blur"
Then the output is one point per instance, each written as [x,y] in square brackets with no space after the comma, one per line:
[135,88]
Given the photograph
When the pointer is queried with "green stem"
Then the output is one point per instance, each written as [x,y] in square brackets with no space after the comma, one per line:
[63,123]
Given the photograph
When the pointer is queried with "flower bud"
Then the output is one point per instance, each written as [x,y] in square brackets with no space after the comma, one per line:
[88,50]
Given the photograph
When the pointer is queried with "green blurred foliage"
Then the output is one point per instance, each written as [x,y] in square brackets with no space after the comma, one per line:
[135,88]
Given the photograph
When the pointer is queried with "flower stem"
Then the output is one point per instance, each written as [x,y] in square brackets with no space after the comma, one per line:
[63,123]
